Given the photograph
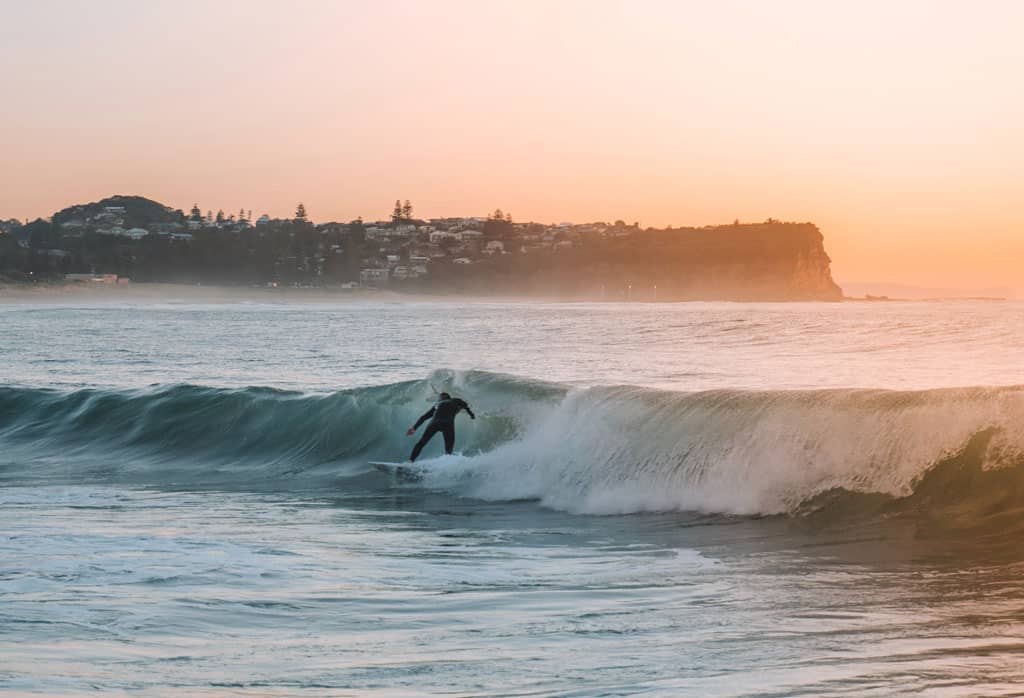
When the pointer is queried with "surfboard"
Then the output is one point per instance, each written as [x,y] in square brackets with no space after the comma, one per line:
[405,472]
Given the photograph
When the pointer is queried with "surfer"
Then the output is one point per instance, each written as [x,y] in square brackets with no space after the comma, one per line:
[443,420]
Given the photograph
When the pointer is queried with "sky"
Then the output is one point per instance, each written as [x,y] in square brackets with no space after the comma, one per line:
[897,127]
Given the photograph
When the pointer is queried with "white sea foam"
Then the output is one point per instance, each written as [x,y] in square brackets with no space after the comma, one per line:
[624,450]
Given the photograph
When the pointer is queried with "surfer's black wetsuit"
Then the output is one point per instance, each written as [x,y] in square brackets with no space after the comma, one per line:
[443,421]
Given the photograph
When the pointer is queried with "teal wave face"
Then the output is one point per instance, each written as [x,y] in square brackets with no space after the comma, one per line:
[189,433]
[600,450]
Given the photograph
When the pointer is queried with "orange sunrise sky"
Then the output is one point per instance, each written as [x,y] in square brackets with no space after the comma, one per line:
[897,127]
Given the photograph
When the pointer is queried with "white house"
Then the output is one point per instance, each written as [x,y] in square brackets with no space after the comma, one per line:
[372,277]
[494,247]
[463,260]
[439,235]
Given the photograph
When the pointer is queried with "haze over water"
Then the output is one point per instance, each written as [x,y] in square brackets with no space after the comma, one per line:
[671,499]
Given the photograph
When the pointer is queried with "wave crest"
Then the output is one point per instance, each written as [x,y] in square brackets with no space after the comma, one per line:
[600,450]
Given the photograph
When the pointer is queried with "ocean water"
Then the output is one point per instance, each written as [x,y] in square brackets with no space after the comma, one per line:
[655,499]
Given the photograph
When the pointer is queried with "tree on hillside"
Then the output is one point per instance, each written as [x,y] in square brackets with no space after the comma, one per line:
[11,256]
[195,214]
[407,210]
[42,235]
[396,214]
[220,216]
[300,213]
[498,224]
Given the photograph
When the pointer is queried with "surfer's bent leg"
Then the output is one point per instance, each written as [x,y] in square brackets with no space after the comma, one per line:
[448,430]
[428,433]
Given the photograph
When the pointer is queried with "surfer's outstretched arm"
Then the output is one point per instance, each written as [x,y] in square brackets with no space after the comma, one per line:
[465,406]
[426,415]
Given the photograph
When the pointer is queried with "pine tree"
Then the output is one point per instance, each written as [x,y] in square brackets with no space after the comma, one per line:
[407,210]
[220,216]
[300,213]
[196,214]
[396,215]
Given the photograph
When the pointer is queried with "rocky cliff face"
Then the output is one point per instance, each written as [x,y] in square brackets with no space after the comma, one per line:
[760,262]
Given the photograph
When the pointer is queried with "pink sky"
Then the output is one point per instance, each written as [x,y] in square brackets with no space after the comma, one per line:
[898,127]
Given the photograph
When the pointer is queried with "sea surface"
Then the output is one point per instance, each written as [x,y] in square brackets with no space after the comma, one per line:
[699,499]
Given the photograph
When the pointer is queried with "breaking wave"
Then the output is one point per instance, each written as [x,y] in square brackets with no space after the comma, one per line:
[598,450]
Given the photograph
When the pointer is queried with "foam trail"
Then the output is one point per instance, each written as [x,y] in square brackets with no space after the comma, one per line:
[625,449]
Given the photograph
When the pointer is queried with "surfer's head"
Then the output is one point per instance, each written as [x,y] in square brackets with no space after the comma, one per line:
[445,396]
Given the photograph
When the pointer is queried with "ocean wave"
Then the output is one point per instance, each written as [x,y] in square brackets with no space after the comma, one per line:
[597,450]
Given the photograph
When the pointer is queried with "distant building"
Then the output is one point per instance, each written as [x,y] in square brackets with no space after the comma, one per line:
[92,278]
[373,277]
[463,260]
[263,220]
[439,235]
[375,232]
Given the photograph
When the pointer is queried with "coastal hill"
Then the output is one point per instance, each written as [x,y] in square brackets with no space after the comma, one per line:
[136,211]
[141,240]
